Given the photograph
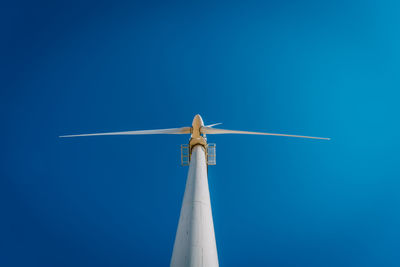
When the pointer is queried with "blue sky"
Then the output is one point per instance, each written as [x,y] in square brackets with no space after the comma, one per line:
[297,67]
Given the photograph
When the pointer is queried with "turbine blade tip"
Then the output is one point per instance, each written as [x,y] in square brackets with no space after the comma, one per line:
[64,136]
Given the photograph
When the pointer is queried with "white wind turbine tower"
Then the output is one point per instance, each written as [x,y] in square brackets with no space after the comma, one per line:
[195,239]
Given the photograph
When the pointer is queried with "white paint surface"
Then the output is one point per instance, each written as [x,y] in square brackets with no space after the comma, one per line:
[195,239]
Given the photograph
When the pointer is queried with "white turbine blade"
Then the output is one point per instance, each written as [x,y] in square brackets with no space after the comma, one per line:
[208,130]
[183,130]
[215,124]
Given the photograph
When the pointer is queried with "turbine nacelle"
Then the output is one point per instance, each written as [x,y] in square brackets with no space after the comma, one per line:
[197,124]
[197,137]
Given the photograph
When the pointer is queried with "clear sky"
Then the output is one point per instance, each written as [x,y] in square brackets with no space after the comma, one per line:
[322,68]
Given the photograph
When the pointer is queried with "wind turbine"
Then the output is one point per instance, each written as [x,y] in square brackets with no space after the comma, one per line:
[195,239]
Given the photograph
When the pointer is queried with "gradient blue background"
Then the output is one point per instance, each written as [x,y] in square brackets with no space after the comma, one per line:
[301,67]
